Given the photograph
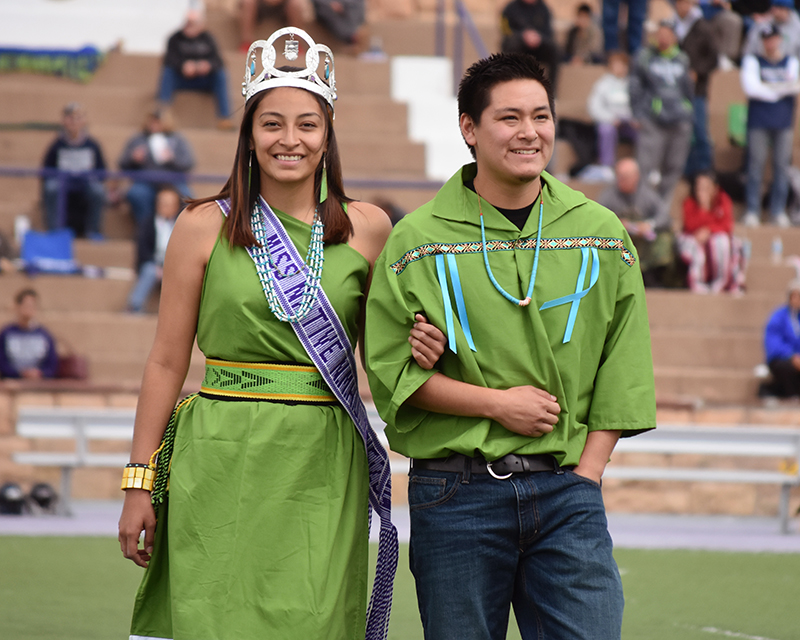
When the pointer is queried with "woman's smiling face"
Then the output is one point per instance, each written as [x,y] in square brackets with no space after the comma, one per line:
[288,136]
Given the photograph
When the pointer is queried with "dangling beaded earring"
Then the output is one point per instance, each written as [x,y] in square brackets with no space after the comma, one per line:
[249,171]
[323,183]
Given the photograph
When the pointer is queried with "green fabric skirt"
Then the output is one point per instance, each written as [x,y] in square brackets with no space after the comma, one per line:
[264,531]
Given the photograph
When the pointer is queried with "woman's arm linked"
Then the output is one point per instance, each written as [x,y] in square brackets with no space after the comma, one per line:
[371,228]
[188,252]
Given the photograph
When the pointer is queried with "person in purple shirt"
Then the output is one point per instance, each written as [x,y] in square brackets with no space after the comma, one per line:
[27,350]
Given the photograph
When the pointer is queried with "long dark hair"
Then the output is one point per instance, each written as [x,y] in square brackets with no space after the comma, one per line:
[338,227]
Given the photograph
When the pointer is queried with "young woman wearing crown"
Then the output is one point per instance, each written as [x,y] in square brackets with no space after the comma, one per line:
[261,481]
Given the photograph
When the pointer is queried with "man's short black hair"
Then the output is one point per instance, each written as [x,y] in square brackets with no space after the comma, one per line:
[21,295]
[474,92]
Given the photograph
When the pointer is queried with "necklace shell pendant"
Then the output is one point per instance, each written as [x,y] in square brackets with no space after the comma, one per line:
[291,48]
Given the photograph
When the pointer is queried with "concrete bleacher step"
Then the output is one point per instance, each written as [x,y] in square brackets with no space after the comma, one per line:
[405,199]
[68,293]
[713,385]
[761,239]
[683,309]
[708,347]
[33,105]
[108,253]
[418,37]
[574,84]
[766,276]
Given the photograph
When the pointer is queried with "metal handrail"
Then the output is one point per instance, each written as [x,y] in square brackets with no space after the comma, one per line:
[174,176]
[171,176]
[463,23]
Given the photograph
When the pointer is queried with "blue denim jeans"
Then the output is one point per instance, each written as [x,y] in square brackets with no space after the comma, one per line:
[701,152]
[637,12]
[537,541]
[54,198]
[149,277]
[759,142]
[215,82]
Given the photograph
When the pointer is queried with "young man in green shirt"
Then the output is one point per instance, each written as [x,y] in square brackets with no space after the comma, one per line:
[548,362]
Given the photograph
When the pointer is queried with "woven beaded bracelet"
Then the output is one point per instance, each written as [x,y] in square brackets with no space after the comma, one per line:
[138,476]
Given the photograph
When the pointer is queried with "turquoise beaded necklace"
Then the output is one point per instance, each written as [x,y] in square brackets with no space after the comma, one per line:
[266,268]
[529,295]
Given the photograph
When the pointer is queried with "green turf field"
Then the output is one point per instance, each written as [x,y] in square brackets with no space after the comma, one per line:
[82,589]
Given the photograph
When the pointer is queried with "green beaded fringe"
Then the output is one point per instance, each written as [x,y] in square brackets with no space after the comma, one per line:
[161,483]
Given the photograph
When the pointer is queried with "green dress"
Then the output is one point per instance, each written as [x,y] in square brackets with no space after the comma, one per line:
[264,533]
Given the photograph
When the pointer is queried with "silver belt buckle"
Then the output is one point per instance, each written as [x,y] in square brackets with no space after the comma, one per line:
[494,475]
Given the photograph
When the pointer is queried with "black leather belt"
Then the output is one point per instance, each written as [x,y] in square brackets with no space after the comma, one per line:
[501,468]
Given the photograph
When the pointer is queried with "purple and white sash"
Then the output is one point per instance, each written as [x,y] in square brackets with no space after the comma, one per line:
[323,337]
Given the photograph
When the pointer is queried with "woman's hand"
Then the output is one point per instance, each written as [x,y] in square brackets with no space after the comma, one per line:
[427,342]
[137,515]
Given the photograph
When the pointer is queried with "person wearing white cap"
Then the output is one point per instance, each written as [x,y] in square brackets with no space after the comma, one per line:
[770,83]
[783,15]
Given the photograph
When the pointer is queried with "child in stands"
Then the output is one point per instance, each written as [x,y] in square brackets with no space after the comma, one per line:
[715,257]
[168,206]
[609,106]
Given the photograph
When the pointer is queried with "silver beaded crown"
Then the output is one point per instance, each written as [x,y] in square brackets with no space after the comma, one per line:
[311,79]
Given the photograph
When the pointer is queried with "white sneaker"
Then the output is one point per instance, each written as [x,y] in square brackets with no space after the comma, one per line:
[782,221]
[724,63]
[751,219]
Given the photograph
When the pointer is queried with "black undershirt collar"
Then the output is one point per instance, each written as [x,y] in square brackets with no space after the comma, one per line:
[517,217]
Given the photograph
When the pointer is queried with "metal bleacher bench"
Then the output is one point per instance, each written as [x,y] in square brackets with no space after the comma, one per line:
[79,425]
[82,425]
[710,440]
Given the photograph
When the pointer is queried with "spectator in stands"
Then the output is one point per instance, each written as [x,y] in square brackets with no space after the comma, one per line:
[345,20]
[728,29]
[296,13]
[584,39]
[27,350]
[192,63]
[157,148]
[609,107]
[784,16]
[707,245]
[637,13]
[771,84]
[661,100]
[646,219]
[527,27]
[782,345]
[76,193]
[697,38]
[168,206]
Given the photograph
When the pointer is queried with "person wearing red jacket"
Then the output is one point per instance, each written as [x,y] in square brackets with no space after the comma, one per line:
[714,257]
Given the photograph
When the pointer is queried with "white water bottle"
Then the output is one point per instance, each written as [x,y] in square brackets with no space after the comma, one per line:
[777,250]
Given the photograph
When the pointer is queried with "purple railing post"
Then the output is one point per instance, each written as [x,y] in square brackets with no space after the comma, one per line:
[458,49]
[440,34]
[61,207]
